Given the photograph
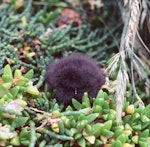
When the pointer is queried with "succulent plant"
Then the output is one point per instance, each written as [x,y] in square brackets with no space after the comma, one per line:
[40,121]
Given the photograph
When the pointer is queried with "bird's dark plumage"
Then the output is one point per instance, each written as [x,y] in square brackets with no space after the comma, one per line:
[72,76]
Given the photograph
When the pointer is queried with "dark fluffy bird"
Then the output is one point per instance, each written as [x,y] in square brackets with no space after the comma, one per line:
[72,76]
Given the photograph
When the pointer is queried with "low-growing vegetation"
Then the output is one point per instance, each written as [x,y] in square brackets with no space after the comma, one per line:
[31,118]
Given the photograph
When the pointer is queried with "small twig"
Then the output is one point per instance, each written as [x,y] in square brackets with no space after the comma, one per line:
[37,110]
[144,45]
[41,126]
[47,122]
[134,88]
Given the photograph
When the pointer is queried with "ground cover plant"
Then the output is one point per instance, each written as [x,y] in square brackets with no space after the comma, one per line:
[29,118]
[35,33]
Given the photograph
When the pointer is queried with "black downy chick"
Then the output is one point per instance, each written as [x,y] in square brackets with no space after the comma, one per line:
[72,76]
